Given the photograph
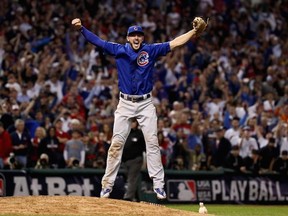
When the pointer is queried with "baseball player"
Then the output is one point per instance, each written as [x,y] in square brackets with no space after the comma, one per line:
[135,61]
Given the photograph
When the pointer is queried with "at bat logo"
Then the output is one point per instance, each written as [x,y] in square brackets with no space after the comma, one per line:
[143,58]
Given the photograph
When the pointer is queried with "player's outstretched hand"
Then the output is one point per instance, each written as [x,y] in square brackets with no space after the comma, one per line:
[76,23]
[199,25]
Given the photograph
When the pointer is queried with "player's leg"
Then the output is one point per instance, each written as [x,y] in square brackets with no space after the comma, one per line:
[147,120]
[121,129]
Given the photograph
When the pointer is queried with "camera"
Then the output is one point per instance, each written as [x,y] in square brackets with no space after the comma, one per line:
[12,162]
[11,159]
[43,162]
[74,163]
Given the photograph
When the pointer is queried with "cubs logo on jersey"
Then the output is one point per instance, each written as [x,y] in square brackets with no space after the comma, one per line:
[143,58]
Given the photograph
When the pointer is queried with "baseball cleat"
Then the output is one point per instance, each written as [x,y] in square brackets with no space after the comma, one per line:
[160,193]
[105,192]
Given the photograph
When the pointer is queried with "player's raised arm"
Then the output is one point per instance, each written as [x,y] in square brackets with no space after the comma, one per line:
[89,36]
[199,26]
[182,39]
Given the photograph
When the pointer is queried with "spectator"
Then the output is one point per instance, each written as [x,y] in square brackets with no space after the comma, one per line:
[33,156]
[197,159]
[268,154]
[55,86]
[262,138]
[281,131]
[21,142]
[252,162]
[50,145]
[180,158]
[132,160]
[269,103]
[11,113]
[5,145]
[23,97]
[176,111]
[165,149]
[245,142]
[220,149]
[234,130]
[214,107]
[73,100]
[61,135]
[13,84]
[234,161]
[65,118]
[74,124]
[182,122]
[74,152]
[91,161]
[101,151]
[196,137]
[281,163]
[164,126]
[43,162]
[107,132]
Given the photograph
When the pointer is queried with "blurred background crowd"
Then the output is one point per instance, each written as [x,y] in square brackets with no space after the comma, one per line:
[222,99]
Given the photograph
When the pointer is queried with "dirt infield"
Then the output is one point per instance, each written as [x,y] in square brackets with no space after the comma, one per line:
[78,205]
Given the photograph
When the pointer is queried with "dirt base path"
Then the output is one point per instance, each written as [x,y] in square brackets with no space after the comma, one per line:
[78,205]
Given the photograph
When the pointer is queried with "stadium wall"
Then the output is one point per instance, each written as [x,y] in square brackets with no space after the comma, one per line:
[223,186]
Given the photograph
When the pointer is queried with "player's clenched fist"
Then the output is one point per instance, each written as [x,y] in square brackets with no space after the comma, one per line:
[76,23]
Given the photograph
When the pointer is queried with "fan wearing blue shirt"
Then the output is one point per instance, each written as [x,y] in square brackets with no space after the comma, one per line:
[135,61]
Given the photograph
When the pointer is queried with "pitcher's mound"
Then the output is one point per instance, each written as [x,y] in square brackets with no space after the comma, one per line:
[79,205]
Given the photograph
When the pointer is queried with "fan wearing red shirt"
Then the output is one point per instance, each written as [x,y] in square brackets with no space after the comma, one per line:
[62,136]
[5,145]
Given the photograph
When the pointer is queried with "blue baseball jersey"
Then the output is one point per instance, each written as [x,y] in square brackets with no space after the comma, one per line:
[135,68]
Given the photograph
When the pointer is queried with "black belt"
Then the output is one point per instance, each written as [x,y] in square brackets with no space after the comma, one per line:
[135,98]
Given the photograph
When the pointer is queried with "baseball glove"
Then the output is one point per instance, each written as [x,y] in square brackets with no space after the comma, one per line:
[199,25]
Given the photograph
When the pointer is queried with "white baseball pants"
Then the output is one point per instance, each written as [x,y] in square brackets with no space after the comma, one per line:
[145,112]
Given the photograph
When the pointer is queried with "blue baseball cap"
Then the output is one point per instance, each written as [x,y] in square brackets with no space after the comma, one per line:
[135,28]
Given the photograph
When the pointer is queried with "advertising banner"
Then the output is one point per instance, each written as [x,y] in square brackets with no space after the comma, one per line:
[21,183]
[181,187]
[228,189]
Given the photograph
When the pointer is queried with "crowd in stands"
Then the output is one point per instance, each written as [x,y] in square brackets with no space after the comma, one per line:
[221,100]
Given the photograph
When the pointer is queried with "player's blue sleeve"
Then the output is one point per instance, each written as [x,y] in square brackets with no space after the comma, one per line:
[108,47]
[112,48]
[92,38]
[160,49]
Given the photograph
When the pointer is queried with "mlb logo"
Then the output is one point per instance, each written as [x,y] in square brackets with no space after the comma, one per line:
[181,190]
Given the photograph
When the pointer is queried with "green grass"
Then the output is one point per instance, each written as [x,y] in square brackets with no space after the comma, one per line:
[237,210]
[219,210]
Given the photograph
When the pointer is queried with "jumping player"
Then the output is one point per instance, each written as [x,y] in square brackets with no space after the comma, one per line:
[135,61]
